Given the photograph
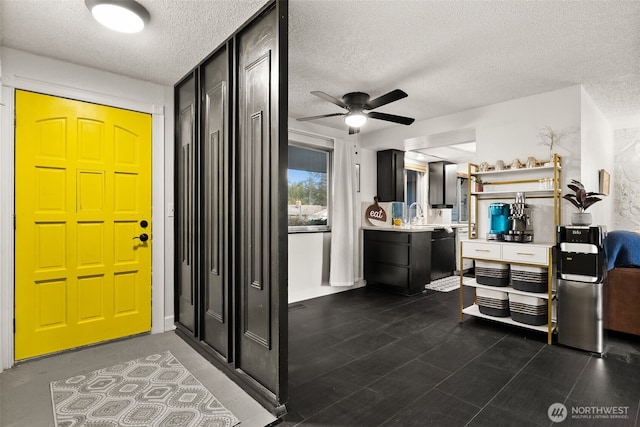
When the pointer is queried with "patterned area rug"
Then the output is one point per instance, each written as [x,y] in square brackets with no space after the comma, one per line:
[446,284]
[152,391]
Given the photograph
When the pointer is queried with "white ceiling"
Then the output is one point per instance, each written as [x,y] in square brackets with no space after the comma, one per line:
[449,56]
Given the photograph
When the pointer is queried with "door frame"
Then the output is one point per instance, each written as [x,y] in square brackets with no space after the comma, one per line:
[7,199]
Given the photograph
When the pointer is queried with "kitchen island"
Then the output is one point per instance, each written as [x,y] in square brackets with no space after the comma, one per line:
[404,259]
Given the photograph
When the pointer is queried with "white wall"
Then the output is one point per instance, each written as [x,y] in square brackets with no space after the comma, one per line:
[6,232]
[309,271]
[625,179]
[597,152]
[40,74]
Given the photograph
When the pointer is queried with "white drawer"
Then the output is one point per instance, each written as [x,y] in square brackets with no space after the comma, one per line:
[481,250]
[518,252]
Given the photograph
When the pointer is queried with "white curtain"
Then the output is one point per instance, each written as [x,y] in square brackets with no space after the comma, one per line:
[344,258]
[421,190]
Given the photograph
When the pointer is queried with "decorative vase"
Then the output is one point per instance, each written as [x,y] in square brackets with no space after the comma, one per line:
[581,218]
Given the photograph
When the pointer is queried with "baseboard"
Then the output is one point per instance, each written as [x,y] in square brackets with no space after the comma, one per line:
[169,323]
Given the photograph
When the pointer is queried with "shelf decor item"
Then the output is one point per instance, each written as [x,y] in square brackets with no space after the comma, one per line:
[551,139]
[581,199]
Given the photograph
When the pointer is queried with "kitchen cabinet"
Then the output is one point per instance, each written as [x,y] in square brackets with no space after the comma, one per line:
[516,256]
[443,254]
[390,176]
[442,184]
[397,261]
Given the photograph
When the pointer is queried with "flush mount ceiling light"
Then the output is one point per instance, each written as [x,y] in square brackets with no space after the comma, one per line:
[355,119]
[125,16]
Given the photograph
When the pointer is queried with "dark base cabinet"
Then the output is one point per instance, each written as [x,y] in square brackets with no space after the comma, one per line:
[231,199]
[443,254]
[397,261]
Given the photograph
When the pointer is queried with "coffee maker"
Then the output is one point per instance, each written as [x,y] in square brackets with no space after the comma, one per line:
[520,224]
[498,221]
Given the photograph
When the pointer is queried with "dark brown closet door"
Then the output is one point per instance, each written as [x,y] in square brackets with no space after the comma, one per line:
[185,232]
[215,202]
[261,155]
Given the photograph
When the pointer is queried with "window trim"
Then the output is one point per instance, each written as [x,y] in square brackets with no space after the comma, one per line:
[323,144]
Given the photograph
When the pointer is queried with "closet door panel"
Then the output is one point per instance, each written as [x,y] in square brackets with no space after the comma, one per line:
[185,225]
[215,186]
[258,170]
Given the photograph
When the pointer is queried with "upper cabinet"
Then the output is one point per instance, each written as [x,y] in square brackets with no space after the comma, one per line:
[391,176]
[442,184]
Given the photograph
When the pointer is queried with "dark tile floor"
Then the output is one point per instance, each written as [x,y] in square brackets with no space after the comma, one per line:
[370,358]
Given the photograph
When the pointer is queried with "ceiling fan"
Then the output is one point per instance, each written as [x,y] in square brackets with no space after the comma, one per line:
[359,106]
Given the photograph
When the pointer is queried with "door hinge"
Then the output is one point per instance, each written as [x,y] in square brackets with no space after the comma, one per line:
[14,326]
[14,222]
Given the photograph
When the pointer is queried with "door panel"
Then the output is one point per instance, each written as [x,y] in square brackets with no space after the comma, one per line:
[258,154]
[185,203]
[215,182]
[83,183]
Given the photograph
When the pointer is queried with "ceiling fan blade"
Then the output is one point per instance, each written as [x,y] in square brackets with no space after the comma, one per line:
[391,118]
[353,130]
[304,119]
[329,98]
[392,96]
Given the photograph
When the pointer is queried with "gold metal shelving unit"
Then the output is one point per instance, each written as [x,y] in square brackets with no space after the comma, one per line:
[504,185]
[503,188]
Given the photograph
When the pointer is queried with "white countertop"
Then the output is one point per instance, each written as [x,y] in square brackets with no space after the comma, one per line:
[412,228]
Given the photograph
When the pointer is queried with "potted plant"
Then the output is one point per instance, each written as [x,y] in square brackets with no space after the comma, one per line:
[581,199]
[479,184]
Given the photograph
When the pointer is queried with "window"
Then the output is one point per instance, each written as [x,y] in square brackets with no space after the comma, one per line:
[309,184]
[412,186]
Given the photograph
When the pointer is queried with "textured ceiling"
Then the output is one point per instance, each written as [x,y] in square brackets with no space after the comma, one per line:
[448,56]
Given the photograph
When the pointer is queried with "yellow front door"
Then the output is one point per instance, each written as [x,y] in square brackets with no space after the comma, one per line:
[82,203]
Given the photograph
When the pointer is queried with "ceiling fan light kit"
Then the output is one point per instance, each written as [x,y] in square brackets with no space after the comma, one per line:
[125,16]
[355,119]
[357,104]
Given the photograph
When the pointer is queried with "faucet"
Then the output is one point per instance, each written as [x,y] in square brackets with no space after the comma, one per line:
[418,207]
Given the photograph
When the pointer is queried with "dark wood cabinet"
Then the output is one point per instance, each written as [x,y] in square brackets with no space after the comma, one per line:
[443,253]
[390,176]
[231,198]
[442,184]
[397,261]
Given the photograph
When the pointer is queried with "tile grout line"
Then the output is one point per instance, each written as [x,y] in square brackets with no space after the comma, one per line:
[504,386]
[575,384]
[364,386]
[359,357]
[446,378]
[389,373]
